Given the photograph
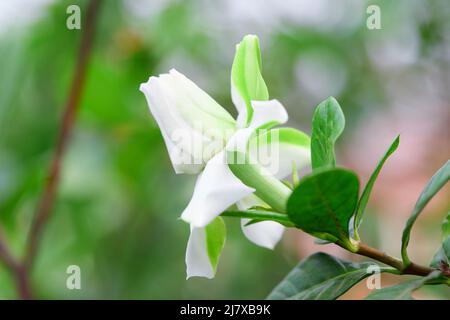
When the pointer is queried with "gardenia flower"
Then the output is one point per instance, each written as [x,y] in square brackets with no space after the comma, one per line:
[199,134]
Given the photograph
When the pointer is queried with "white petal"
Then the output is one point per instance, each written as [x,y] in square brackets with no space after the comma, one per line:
[216,189]
[193,125]
[264,234]
[182,161]
[197,260]
[288,155]
[268,113]
[278,149]
[168,122]
[250,201]
[239,141]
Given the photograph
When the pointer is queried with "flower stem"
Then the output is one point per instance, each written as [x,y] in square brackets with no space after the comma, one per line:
[47,199]
[261,215]
[271,190]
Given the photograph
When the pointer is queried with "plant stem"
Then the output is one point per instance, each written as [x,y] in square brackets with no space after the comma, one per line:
[414,269]
[20,269]
[260,215]
[22,283]
[15,268]
[45,205]
[359,248]
[276,194]
[266,186]
[5,255]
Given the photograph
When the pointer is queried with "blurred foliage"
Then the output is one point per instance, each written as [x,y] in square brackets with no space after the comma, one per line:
[118,205]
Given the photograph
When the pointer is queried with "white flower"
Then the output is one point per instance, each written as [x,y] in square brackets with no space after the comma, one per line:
[178,105]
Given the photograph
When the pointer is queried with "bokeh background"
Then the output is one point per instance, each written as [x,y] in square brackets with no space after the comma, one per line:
[116,215]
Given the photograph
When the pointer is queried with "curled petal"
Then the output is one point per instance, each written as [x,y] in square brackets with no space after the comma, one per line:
[194,126]
[204,248]
[267,114]
[215,190]
[197,260]
[280,150]
[265,233]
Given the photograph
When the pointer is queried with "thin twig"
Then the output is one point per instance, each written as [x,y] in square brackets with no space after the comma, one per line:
[20,270]
[5,255]
[47,200]
[15,268]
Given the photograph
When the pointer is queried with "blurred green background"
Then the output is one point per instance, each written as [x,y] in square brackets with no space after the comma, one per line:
[116,215]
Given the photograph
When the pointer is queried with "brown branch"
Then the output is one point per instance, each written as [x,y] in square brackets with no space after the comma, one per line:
[20,270]
[23,285]
[15,268]
[414,269]
[47,200]
[45,204]
[5,255]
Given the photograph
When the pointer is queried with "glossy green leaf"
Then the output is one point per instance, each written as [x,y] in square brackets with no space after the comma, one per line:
[402,291]
[215,233]
[320,277]
[368,188]
[324,202]
[327,125]
[442,257]
[439,179]
[446,227]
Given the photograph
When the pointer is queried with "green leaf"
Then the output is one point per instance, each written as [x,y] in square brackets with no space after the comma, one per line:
[368,188]
[402,291]
[436,182]
[320,277]
[446,227]
[442,257]
[215,233]
[327,125]
[247,83]
[324,202]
